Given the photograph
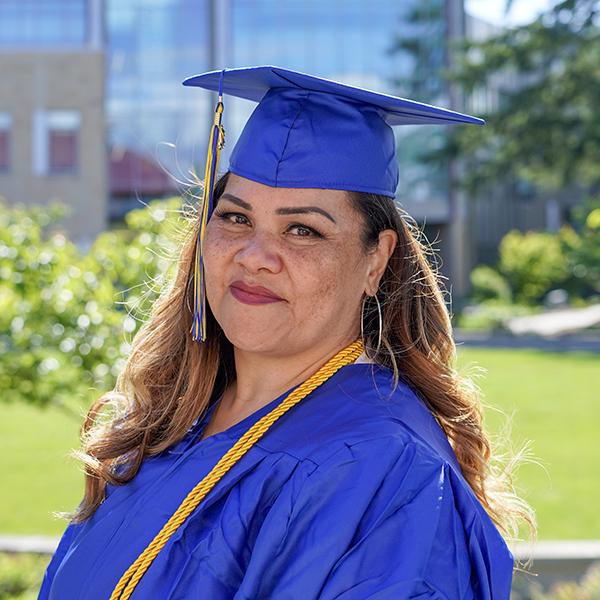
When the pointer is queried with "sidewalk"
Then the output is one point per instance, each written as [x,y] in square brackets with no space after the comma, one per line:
[589,342]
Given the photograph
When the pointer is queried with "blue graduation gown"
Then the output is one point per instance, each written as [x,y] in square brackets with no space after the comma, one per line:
[350,495]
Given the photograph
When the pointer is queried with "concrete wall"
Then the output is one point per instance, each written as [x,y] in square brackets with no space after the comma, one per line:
[57,80]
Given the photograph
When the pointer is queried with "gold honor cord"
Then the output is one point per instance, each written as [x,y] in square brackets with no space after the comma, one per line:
[135,572]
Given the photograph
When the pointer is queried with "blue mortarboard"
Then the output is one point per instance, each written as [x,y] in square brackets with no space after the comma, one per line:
[309,132]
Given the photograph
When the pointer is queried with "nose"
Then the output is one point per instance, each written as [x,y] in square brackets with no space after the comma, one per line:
[259,252]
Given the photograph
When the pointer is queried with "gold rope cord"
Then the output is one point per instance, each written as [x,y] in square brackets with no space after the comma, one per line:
[134,573]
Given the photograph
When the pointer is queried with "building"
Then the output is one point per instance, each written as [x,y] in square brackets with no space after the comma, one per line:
[391,46]
[52,119]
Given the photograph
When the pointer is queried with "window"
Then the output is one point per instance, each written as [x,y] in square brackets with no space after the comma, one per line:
[55,146]
[5,126]
[62,133]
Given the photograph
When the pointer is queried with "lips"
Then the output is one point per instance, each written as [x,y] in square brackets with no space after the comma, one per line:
[253,293]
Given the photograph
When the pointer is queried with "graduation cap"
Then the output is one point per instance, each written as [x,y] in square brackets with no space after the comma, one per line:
[306,132]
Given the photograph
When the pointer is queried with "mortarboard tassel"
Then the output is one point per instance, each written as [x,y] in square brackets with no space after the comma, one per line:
[215,144]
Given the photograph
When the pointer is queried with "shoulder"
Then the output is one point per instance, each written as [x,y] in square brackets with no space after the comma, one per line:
[393,496]
[358,427]
[358,407]
[377,489]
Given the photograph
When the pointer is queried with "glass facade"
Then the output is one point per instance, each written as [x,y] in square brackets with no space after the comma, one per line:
[152,45]
[43,23]
[393,47]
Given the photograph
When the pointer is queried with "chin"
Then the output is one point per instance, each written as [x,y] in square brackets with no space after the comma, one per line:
[251,339]
[249,327]
[250,332]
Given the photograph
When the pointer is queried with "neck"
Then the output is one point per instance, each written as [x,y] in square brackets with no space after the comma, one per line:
[260,378]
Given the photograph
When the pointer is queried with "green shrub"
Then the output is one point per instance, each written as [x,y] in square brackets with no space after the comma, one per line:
[21,575]
[488,284]
[66,318]
[533,263]
[587,589]
[582,249]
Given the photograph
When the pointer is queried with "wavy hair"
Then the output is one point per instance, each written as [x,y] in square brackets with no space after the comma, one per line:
[168,380]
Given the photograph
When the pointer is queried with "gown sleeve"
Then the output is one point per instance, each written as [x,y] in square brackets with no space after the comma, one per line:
[379,519]
[62,548]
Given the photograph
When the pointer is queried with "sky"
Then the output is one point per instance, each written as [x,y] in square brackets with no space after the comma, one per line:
[522,11]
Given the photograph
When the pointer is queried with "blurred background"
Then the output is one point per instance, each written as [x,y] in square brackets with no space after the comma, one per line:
[99,140]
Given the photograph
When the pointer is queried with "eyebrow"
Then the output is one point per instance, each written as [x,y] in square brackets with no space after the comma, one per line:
[289,210]
[236,200]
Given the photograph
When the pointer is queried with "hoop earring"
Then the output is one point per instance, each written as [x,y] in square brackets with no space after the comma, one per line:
[362,317]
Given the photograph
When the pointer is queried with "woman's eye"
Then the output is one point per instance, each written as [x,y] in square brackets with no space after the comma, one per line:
[303,231]
[234,218]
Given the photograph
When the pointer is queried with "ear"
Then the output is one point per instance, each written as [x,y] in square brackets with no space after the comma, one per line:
[378,259]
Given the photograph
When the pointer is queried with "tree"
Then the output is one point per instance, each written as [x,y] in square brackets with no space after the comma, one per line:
[545,129]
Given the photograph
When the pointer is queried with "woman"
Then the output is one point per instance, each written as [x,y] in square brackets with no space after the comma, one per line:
[313,439]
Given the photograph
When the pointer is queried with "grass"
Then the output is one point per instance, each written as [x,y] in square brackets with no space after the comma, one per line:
[37,476]
[553,398]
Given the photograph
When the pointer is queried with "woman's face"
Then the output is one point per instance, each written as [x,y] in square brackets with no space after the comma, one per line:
[285,269]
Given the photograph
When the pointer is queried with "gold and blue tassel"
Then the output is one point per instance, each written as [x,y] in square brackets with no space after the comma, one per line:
[215,144]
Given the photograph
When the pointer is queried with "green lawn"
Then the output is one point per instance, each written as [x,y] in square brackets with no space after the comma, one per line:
[554,398]
[555,403]
[37,475]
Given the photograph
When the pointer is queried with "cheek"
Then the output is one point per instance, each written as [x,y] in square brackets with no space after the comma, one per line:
[327,281]
[217,254]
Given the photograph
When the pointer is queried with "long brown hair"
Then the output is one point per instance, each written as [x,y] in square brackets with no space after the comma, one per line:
[169,380]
